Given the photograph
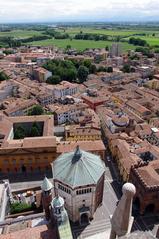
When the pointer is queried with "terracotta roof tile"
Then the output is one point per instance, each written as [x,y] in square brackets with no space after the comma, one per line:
[41,232]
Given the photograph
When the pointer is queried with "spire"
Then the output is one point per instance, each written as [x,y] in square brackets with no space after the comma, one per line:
[77,155]
[46,185]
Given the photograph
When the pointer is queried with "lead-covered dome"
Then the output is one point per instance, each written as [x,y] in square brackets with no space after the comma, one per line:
[78,168]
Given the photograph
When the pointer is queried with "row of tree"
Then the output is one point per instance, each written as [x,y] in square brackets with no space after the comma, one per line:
[13,42]
[56,35]
[89,36]
[137,41]
[10,42]
[35,38]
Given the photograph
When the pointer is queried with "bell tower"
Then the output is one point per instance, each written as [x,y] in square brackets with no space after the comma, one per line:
[46,196]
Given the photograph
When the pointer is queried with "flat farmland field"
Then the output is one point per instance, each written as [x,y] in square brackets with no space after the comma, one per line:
[119,32]
[20,33]
[151,40]
[152,37]
[79,44]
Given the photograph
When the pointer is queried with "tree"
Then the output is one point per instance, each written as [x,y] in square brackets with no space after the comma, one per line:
[36,110]
[34,132]
[8,52]
[102,69]
[71,75]
[126,68]
[107,48]
[87,63]
[110,69]
[3,76]
[92,69]
[82,73]
[68,47]
[53,80]
[20,133]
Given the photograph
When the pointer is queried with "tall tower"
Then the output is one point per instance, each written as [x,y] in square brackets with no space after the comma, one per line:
[58,210]
[115,50]
[60,218]
[122,220]
[46,196]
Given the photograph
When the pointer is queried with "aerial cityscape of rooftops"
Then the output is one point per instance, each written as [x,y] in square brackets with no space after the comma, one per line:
[79,119]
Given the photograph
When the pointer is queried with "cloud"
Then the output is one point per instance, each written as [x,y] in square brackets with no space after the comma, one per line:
[58,10]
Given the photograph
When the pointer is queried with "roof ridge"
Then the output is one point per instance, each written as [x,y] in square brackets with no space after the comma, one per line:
[75,174]
[87,168]
[92,161]
[63,168]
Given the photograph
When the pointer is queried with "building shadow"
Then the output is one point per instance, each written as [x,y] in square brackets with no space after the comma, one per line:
[25,176]
[77,229]
[117,187]
[50,233]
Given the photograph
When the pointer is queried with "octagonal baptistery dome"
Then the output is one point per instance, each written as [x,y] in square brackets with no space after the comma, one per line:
[79,179]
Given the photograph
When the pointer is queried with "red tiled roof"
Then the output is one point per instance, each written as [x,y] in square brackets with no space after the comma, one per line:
[41,232]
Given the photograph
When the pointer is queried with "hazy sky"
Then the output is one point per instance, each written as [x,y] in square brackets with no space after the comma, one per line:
[78,10]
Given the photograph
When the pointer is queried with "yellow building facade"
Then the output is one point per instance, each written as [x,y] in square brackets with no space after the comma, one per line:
[27,160]
[82,134]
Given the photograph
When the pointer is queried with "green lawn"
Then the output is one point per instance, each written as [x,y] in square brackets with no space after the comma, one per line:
[152,41]
[20,33]
[79,44]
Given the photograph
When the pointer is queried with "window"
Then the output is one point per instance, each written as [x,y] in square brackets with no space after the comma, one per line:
[65,189]
[83,191]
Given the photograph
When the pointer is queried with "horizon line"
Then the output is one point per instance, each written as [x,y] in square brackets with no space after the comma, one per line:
[81,21]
